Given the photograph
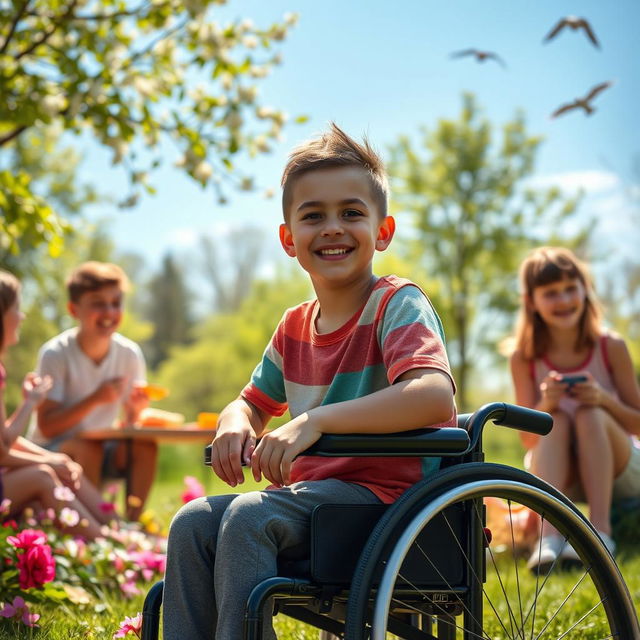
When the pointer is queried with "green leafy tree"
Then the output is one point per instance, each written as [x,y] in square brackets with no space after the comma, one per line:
[52,168]
[473,217]
[134,76]
[169,309]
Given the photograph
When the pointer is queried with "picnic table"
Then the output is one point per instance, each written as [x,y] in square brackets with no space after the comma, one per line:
[189,432]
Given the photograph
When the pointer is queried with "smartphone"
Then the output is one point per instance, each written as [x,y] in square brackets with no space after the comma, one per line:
[573,379]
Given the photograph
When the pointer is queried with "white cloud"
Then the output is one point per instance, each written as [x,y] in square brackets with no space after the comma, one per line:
[591,181]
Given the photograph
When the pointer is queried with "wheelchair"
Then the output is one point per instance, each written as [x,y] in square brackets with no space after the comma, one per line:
[425,567]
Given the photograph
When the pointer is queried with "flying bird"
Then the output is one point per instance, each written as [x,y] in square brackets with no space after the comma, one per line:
[480,56]
[574,23]
[583,103]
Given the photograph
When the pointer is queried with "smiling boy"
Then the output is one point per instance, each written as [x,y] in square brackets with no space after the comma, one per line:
[93,370]
[365,356]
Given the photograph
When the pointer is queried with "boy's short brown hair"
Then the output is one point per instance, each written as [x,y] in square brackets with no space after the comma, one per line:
[336,149]
[93,276]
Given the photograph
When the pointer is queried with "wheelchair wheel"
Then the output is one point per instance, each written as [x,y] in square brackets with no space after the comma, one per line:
[492,593]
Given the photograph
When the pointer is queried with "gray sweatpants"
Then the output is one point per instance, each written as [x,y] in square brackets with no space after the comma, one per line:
[220,547]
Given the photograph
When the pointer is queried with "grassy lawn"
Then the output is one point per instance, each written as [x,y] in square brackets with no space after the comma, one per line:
[101,620]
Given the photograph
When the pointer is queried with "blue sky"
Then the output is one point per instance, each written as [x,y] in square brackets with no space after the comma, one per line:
[383,68]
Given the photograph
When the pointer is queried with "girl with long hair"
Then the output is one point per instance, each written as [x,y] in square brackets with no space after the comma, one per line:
[567,364]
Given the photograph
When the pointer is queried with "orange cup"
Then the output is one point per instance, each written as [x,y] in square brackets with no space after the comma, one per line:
[207,420]
[152,391]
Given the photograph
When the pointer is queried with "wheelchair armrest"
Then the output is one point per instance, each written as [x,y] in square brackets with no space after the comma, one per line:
[445,441]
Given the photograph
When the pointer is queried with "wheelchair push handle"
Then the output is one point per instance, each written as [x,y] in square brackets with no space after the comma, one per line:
[525,419]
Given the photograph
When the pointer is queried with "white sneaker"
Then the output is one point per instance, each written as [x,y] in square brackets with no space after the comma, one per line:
[608,542]
[545,554]
[568,557]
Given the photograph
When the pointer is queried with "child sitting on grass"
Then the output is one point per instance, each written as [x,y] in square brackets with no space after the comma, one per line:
[30,474]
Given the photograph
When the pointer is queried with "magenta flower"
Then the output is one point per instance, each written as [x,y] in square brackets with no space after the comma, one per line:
[19,610]
[194,489]
[37,566]
[107,507]
[28,538]
[129,625]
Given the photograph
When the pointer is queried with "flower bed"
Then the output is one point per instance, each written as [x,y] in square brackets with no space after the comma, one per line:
[41,566]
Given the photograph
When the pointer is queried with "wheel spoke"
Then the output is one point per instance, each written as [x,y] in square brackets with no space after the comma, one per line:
[592,603]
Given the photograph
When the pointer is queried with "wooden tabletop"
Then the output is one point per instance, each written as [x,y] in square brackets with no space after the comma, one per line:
[189,432]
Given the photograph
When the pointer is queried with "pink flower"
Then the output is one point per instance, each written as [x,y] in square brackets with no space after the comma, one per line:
[149,560]
[107,507]
[129,625]
[112,489]
[129,589]
[36,566]
[5,506]
[28,538]
[20,611]
[194,489]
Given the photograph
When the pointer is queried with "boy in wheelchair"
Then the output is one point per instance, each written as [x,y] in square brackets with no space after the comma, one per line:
[366,356]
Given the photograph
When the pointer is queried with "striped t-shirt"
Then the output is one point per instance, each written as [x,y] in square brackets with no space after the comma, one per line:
[396,330]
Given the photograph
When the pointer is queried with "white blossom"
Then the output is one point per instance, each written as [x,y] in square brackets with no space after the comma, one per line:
[202,171]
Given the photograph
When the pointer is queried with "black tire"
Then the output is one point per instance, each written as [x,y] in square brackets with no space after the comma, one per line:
[590,601]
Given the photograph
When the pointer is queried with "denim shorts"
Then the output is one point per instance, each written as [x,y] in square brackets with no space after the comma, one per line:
[627,484]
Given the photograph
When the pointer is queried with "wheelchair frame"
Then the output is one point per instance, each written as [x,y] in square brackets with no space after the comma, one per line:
[384,596]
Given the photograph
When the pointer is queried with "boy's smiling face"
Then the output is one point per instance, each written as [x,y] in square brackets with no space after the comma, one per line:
[334,226]
[99,313]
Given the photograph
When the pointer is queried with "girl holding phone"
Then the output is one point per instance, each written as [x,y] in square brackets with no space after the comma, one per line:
[567,364]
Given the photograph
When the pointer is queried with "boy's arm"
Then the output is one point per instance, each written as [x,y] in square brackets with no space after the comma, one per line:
[418,398]
[54,418]
[239,424]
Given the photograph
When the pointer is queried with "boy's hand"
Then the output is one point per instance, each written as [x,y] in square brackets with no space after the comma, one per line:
[35,388]
[109,391]
[231,447]
[137,401]
[278,448]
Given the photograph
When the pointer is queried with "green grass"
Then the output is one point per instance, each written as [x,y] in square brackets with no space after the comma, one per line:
[84,622]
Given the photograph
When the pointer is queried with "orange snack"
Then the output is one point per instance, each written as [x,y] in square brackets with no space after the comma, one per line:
[150,417]
[153,391]
[207,420]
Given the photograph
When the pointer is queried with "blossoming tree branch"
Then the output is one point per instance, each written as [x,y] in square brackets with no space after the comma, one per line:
[151,80]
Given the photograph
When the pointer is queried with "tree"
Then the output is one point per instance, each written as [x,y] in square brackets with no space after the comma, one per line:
[232,275]
[169,308]
[473,217]
[52,168]
[134,75]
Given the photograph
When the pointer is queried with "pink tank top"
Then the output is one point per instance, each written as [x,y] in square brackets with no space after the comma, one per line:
[596,363]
